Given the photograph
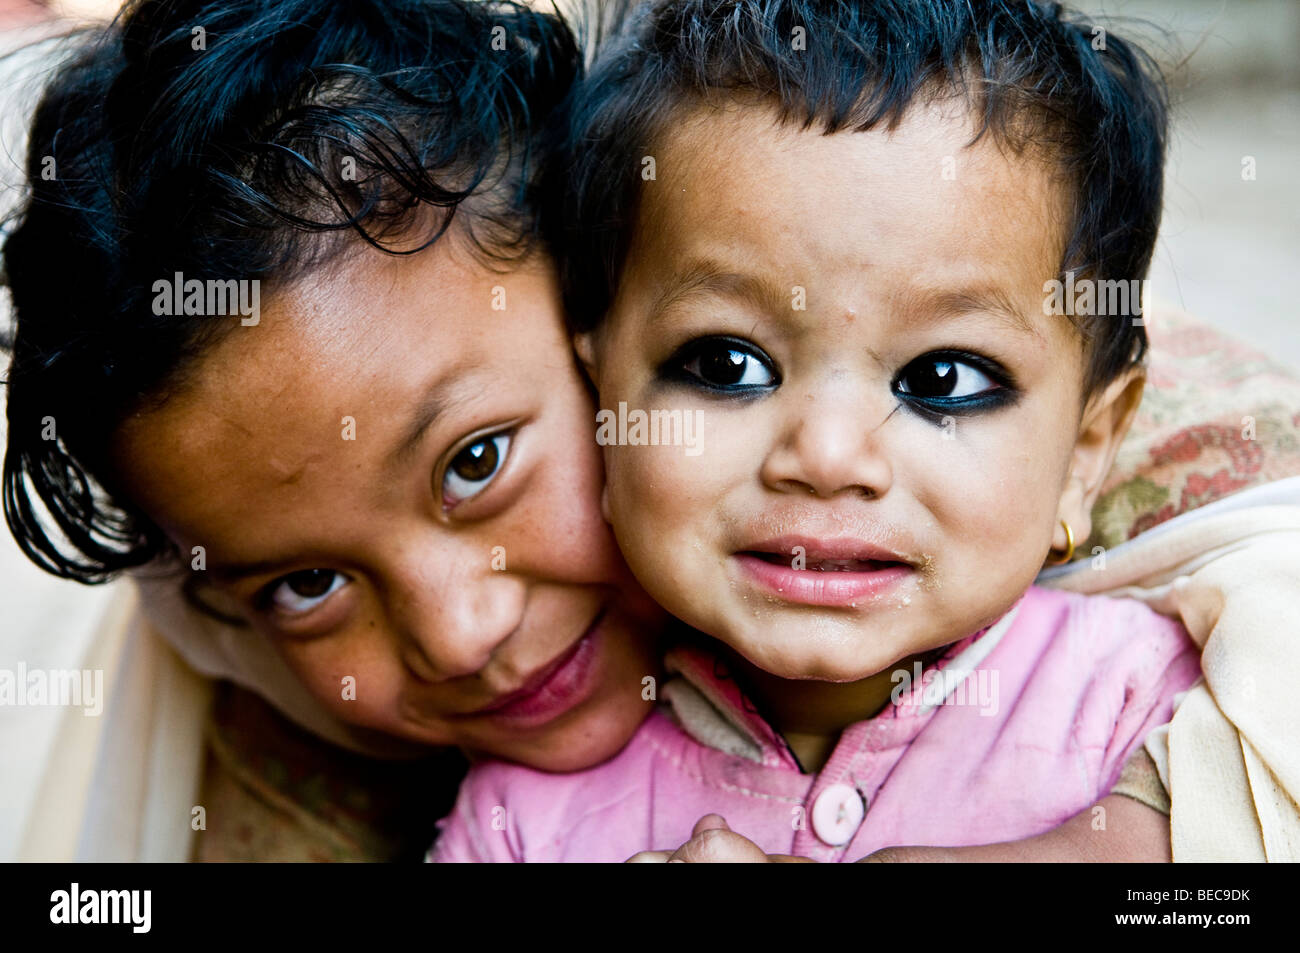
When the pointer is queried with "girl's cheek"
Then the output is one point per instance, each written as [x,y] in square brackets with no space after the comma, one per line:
[352,681]
[559,531]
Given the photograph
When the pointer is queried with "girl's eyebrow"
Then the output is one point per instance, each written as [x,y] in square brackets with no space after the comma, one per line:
[235,571]
[426,412]
[452,385]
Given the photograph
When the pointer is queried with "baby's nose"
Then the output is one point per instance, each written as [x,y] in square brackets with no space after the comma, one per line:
[831,447]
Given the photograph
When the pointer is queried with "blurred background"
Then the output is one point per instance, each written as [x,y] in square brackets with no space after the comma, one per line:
[1229,247]
[1228,250]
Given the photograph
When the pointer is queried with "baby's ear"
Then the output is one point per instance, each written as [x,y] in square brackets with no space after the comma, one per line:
[584,345]
[1106,420]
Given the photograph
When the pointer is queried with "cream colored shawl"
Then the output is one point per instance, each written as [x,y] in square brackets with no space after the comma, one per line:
[1229,758]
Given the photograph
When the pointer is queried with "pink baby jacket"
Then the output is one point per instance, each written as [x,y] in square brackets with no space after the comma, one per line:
[1012,731]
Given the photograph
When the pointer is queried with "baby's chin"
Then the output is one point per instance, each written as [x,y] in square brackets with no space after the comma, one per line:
[818,668]
[852,661]
[799,641]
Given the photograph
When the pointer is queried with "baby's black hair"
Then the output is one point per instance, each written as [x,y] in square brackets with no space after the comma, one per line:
[239,140]
[1036,77]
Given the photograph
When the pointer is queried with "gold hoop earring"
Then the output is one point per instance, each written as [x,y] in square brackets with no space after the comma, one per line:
[1069,547]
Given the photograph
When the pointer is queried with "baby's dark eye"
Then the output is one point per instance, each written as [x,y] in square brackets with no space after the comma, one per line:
[942,378]
[723,364]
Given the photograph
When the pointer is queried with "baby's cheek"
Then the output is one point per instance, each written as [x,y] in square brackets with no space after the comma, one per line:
[994,522]
[1002,510]
[660,508]
[647,499]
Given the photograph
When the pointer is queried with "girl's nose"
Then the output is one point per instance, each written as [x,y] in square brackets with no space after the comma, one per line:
[453,617]
[830,445]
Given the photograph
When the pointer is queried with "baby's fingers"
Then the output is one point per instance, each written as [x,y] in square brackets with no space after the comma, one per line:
[649,857]
[719,846]
[712,842]
[710,822]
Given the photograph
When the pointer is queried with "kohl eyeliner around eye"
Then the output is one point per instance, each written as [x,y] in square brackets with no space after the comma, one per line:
[673,369]
[1006,393]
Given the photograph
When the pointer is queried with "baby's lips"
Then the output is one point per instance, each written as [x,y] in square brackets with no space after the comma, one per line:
[814,549]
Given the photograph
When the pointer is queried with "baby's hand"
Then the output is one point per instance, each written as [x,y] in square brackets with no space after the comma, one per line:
[713,842]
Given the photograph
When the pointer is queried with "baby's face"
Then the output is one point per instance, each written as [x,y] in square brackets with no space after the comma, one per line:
[888,418]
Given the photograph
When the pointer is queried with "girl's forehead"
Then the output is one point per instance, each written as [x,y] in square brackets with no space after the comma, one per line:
[333,379]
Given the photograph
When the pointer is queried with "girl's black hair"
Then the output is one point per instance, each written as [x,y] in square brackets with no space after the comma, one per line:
[1037,76]
[239,140]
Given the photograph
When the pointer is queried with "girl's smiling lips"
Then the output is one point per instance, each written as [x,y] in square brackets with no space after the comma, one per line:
[833,572]
[553,689]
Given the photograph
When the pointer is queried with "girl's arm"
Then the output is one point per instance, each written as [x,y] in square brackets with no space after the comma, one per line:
[1130,825]
[1132,833]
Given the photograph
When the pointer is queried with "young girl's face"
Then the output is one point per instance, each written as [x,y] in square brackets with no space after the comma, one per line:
[393,477]
[891,427]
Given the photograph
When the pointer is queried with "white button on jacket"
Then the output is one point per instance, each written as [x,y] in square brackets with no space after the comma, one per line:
[837,814]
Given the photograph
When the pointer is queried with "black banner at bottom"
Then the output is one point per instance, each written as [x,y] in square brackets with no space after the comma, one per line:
[305,903]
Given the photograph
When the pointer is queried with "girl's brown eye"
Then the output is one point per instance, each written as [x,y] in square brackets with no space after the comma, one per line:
[302,591]
[476,462]
[473,468]
[310,583]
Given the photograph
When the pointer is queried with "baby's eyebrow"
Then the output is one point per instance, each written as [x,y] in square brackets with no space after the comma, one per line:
[926,306]
[706,276]
[931,307]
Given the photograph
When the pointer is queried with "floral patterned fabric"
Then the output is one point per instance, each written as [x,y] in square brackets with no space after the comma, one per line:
[1216,418]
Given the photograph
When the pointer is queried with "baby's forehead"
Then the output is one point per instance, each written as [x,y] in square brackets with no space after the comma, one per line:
[740,160]
[744,206]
